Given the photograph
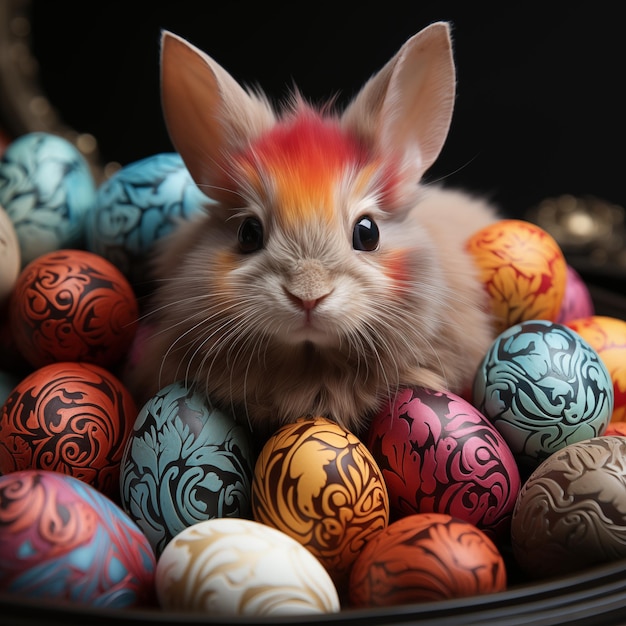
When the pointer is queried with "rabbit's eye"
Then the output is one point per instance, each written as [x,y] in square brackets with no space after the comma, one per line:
[365,235]
[250,235]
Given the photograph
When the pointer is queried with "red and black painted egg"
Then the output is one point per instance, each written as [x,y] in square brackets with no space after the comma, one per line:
[72,418]
[426,557]
[438,454]
[73,305]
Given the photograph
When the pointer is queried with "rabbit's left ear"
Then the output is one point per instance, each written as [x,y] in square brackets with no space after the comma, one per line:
[207,113]
[407,106]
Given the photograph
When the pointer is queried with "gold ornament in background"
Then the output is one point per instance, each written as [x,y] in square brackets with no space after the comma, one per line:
[590,231]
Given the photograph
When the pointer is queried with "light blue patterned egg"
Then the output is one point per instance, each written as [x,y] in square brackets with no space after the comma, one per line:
[185,462]
[543,387]
[136,207]
[47,189]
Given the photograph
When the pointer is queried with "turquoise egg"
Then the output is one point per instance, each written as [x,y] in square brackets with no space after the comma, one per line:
[185,462]
[136,207]
[47,188]
[543,387]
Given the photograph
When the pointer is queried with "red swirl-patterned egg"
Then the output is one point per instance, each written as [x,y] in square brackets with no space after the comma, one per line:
[607,336]
[523,270]
[73,418]
[73,305]
[62,540]
[426,557]
[438,454]
[319,484]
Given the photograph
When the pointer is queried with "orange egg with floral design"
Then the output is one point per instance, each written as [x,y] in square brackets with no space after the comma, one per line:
[523,270]
[318,483]
[607,336]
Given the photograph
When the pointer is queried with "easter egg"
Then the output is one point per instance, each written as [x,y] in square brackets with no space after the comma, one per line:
[522,269]
[136,207]
[318,483]
[10,260]
[438,454]
[238,567]
[607,336]
[570,513]
[72,305]
[62,540]
[185,462]
[577,301]
[543,387]
[72,418]
[426,557]
[47,188]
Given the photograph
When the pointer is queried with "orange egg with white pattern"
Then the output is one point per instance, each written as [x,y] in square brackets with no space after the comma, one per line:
[607,336]
[523,270]
[318,483]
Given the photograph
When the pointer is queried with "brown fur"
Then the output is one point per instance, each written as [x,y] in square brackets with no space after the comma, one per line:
[231,322]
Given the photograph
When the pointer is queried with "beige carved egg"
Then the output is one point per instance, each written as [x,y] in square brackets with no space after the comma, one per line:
[571,512]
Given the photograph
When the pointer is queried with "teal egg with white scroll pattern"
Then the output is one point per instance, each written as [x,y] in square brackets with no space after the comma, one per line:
[185,462]
[47,189]
[136,207]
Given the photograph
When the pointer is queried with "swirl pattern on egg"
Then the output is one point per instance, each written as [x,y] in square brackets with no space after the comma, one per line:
[571,512]
[72,418]
[426,557]
[62,539]
[47,189]
[319,483]
[438,454]
[231,567]
[72,305]
[543,387]
[184,462]
[137,206]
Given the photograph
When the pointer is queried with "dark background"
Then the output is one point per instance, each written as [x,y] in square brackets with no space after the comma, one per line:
[540,105]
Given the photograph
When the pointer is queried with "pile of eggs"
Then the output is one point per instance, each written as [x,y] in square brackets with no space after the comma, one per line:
[173,505]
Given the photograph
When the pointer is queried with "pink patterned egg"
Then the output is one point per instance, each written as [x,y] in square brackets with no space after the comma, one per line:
[62,540]
[577,301]
[438,454]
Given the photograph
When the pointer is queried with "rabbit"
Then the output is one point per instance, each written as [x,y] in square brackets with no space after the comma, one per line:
[324,275]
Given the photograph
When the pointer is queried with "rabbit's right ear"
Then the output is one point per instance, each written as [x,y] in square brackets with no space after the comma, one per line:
[407,106]
[207,113]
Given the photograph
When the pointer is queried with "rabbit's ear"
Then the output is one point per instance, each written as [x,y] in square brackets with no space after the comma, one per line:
[207,113]
[407,106]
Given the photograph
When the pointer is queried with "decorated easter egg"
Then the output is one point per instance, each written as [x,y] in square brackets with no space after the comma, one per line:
[185,462]
[238,567]
[136,207]
[72,305]
[73,418]
[438,454]
[570,512]
[577,301]
[319,484]
[426,557]
[523,270]
[607,336]
[10,259]
[62,540]
[47,188]
[543,387]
